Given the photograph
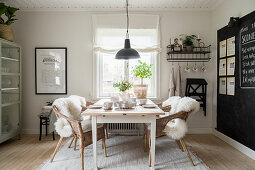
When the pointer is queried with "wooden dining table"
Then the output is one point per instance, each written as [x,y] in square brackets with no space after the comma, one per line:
[138,114]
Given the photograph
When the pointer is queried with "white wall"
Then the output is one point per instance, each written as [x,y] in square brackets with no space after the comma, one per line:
[220,18]
[74,31]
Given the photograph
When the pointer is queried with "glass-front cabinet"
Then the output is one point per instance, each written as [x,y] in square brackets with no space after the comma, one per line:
[10,84]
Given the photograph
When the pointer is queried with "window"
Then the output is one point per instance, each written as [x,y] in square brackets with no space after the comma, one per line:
[108,70]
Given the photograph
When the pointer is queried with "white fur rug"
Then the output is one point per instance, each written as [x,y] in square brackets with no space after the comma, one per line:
[125,153]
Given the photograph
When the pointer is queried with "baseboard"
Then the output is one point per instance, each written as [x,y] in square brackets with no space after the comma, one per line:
[244,149]
[30,131]
[200,131]
[190,131]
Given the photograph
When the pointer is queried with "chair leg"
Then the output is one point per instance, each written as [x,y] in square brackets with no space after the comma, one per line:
[104,147]
[75,141]
[71,142]
[179,145]
[186,150]
[58,145]
[53,135]
[145,142]
[40,137]
[81,152]
[46,127]
[149,137]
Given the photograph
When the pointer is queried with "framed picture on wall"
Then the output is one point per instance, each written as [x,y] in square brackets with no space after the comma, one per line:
[231,46]
[223,47]
[222,67]
[51,70]
[231,86]
[231,65]
[222,85]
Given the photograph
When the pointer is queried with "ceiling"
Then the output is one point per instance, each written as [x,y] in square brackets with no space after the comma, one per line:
[113,4]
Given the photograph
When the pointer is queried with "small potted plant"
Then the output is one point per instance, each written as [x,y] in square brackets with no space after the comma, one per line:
[123,87]
[142,70]
[7,12]
[47,109]
[187,42]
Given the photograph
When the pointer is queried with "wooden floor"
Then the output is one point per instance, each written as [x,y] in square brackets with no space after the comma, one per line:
[29,153]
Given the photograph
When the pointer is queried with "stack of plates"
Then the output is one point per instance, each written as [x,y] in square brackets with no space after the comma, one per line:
[149,106]
[95,106]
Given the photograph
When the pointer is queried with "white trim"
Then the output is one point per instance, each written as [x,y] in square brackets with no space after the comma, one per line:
[30,131]
[199,130]
[245,150]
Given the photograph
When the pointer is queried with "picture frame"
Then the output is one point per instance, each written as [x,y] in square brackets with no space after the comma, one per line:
[50,70]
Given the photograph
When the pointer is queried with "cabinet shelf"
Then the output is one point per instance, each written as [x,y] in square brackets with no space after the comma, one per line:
[10,74]
[11,59]
[9,104]
[8,89]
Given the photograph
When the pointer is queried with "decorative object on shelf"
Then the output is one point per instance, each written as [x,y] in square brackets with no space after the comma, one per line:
[187,41]
[127,52]
[192,88]
[51,70]
[7,12]
[123,87]
[174,46]
[142,70]
[200,44]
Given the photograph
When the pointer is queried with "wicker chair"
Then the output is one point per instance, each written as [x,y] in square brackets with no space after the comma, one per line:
[85,138]
[160,126]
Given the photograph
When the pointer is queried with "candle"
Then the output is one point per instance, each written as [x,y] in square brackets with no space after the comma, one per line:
[198,37]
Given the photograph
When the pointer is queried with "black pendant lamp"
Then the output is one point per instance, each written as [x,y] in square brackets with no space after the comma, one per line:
[127,52]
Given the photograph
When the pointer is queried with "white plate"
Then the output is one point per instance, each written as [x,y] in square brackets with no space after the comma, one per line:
[149,106]
[95,106]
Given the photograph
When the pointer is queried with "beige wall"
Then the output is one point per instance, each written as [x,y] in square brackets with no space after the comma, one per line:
[74,31]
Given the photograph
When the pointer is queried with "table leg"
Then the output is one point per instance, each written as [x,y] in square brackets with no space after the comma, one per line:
[94,137]
[153,136]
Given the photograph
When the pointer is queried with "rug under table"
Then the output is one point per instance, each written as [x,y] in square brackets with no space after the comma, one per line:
[124,153]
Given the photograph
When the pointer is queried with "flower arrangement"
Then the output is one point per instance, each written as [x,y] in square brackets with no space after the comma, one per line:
[123,85]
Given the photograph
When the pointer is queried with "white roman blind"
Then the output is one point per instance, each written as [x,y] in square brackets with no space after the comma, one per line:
[109,33]
[114,27]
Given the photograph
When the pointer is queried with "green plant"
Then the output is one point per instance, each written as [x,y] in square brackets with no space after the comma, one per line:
[9,14]
[123,85]
[142,70]
[188,40]
[49,103]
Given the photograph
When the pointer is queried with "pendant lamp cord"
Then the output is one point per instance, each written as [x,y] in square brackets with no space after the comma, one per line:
[127,35]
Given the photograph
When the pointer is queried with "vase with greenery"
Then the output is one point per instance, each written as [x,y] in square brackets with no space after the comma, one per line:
[187,41]
[6,19]
[143,71]
[123,87]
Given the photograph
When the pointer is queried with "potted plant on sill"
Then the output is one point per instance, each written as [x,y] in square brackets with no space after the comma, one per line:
[187,42]
[123,87]
[142,70]
[7,12]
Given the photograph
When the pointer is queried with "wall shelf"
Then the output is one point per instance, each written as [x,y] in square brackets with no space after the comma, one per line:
[199,54]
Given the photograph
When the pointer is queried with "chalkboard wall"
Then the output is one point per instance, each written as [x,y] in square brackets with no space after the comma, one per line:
[236,114]
[247,53]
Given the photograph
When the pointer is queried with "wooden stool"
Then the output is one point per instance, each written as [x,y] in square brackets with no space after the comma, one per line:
[45,120]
